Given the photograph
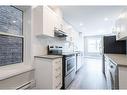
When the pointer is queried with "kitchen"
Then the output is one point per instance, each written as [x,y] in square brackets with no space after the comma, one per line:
[51,53]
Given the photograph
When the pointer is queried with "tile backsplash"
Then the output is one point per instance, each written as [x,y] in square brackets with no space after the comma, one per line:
[42,42]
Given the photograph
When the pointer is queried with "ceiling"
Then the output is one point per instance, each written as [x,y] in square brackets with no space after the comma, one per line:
[92,20]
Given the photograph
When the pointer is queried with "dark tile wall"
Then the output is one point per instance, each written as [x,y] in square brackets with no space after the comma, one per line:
[11,20]
[11,50]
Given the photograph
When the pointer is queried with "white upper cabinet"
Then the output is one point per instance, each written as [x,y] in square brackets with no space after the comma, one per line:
[65,26]
[121,27]
[38,20]
[45,20]
[48,22]
[69,31]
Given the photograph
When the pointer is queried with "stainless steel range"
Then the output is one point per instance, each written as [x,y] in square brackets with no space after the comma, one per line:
[69,64]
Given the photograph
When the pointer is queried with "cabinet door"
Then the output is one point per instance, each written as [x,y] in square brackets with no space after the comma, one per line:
[122,78]
[70,35]
[43,73]
[121,29]
[79,61]
[56,22]
[38,20]
[48,22]
[64,27]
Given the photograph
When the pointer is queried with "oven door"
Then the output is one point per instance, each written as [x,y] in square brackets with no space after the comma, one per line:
[70,64]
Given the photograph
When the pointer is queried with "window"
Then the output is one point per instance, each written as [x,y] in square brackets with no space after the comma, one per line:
[94,45]
[11,35]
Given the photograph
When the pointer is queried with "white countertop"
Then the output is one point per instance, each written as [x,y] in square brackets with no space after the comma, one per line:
[119,59]
[12,70]
[49,56]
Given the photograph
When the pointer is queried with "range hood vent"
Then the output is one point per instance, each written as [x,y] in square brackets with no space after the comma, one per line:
[59,33]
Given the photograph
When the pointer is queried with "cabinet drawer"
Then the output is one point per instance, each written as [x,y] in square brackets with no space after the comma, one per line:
[58,70]
[58,60]
[59,85]
[57,75]
[57,80]
[57,63]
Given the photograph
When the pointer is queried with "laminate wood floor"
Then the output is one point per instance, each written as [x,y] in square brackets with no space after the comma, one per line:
[90,76]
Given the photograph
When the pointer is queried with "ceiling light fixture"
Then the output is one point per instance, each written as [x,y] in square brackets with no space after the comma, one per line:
[69,27]
[106,19]
[81,24]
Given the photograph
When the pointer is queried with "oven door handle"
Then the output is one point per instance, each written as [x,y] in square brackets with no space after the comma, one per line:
[70,58]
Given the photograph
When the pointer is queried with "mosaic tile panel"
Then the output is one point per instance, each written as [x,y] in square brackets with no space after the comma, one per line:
[11,20]
[11,50]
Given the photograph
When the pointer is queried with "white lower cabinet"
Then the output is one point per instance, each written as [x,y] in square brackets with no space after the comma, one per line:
[122,77]
[48,73]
